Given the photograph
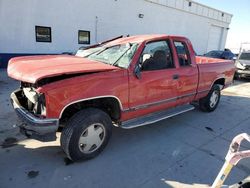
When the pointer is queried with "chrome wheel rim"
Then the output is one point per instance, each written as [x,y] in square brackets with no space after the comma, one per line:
[92,138]
[214,99]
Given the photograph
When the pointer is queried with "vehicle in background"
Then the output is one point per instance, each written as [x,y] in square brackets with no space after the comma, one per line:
[244,46]
[219,54]
[243,65]
[68,53]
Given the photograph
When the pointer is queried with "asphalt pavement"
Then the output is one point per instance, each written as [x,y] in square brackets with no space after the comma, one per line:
[184,151]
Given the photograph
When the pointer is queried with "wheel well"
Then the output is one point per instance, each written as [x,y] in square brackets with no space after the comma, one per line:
[109,105]
[220,81]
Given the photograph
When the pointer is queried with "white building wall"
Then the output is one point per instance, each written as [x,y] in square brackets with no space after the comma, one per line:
[104,19]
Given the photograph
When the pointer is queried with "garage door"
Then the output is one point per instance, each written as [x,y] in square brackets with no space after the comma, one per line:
[214,39]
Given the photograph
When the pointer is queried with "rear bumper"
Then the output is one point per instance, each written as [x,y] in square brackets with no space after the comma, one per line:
[32,126]
[243,73]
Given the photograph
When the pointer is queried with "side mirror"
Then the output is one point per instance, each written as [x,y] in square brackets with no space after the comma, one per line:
[137,72]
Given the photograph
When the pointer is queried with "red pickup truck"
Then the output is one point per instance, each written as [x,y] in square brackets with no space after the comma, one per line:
[129,82]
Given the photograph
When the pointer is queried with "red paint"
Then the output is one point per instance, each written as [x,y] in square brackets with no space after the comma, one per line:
[133,93]
[33,68]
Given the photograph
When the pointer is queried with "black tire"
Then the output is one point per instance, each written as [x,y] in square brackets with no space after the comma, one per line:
[205,103]
[79,125]
[237,76]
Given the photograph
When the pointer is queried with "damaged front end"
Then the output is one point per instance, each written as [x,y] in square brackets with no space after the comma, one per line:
[33,101]
[30,106]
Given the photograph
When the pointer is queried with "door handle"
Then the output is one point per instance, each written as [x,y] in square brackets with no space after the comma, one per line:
[176,77]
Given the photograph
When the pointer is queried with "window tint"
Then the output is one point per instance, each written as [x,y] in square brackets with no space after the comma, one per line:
[215,54]
[156,56]
[83,37]
[245,56]
[226,55]
[182,52]
[43,34]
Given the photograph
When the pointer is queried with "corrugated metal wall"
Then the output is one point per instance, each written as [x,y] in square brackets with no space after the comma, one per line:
[195,8]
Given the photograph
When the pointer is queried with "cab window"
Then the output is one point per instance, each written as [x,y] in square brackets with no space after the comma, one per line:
[156,56]
[182,52]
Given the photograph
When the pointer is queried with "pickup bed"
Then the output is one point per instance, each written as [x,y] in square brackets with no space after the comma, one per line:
[128,82]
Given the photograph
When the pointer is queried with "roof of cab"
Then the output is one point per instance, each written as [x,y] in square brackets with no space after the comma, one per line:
[140,38]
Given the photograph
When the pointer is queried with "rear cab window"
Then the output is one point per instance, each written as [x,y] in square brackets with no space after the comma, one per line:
[245,56]
[182,53]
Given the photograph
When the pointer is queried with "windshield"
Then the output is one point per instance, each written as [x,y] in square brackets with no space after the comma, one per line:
[118,55]
[215,54]
[87,52]
[245,56]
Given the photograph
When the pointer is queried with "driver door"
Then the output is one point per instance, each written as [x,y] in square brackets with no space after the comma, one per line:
[156,89]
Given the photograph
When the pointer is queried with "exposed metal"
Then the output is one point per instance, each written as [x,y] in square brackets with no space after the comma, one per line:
[27,116]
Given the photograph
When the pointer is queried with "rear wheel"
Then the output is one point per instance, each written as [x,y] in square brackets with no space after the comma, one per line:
[237,76]
[211,101]
[86,134]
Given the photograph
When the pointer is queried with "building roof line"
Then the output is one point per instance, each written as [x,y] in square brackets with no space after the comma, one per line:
[210,7]
[226,19]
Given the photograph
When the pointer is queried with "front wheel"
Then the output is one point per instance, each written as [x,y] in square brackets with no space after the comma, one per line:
[86,134]
[237,76]
[211,101]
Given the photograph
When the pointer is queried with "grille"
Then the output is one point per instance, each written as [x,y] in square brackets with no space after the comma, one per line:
[248,67]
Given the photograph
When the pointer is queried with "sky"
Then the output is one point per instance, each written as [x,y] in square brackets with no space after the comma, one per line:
[239,31]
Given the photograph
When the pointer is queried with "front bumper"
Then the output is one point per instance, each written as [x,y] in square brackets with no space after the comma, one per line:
[32,126]
[243,73]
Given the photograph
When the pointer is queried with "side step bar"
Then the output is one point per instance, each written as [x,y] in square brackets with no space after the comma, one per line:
[155,117]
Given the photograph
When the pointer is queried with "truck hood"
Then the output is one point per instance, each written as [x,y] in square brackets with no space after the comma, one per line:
[33,68]
[245,62]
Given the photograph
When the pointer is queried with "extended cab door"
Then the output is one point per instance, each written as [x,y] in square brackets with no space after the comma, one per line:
[188,74]
[156,88]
